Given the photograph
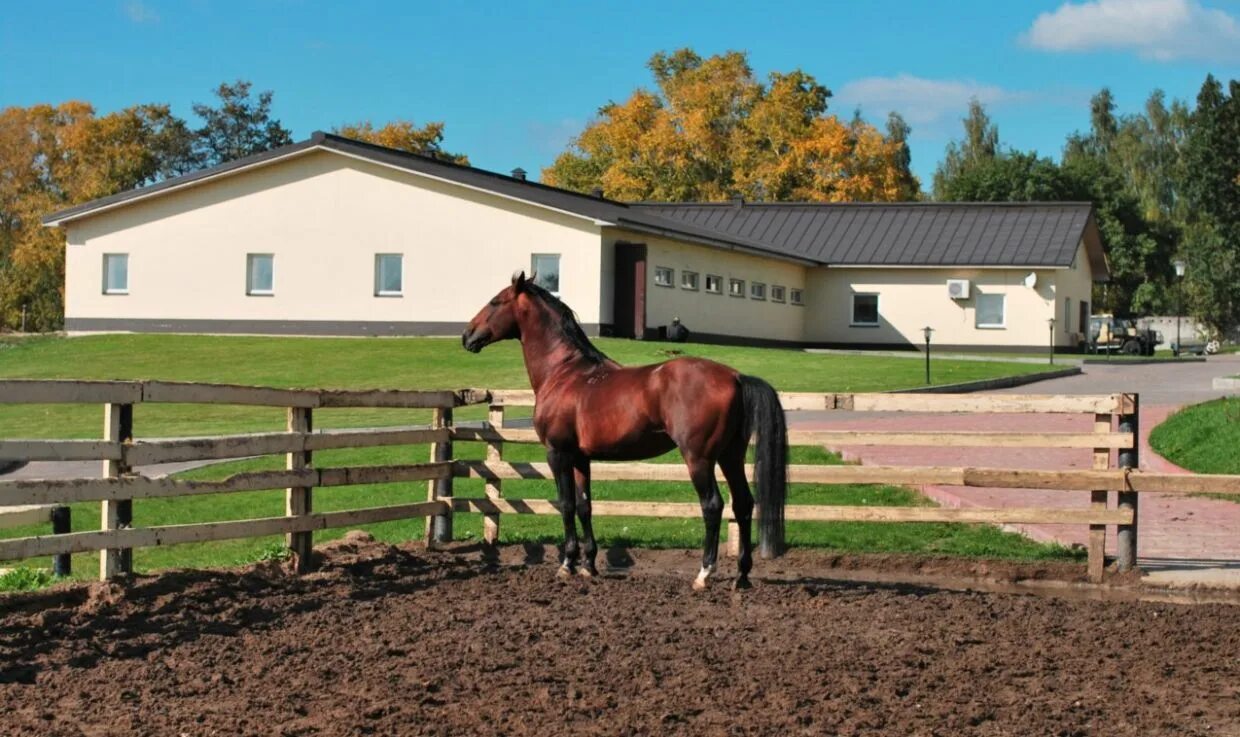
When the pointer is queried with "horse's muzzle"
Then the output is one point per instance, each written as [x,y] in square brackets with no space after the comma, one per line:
[473,341]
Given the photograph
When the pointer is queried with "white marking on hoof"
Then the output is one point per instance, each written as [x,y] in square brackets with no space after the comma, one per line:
[703,579]
[564,572]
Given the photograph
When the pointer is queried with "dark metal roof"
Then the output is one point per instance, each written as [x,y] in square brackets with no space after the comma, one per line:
[1043,234]
[901,234]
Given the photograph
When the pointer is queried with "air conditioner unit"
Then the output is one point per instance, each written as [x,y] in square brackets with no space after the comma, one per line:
[958,288]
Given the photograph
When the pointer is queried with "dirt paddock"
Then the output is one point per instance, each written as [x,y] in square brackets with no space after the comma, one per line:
[393,641]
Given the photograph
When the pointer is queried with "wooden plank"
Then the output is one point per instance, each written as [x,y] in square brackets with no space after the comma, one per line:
[466,397]
[78,542]
[985,403]
[197,393]
[299,499]
[116,514]
[513,397]
[439,528]
[60,450]
[68,491]
[797,473]
[146,452]
[961,439]
[387,398]
[493,485]
[1096,560]
[41,391]
[26,514]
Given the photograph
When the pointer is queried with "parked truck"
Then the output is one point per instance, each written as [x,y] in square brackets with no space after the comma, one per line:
[1108,333]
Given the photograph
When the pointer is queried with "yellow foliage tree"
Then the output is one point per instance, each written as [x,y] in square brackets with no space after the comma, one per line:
[405,136]
[712,130]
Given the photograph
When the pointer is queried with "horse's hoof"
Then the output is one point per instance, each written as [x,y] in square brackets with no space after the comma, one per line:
[741,584]
[564,573]
[589,573]
[700,584]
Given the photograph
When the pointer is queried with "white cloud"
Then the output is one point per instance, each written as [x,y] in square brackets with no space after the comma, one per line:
[140,12]
[1162,30]
[921,101]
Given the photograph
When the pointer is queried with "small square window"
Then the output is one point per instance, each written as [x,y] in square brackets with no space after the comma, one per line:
[546,269]
[777,293]
[389,274]
[990,311]
[736,287]
[663,276]
[796,297]
[260,274]
[689,280]
[865,310]
[757,290]
[714,284]
[116,273]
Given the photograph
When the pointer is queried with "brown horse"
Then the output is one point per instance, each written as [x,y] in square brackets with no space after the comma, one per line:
[589,407]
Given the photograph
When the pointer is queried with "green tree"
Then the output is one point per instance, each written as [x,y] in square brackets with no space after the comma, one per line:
[237,126]
[897,133]
[980,144]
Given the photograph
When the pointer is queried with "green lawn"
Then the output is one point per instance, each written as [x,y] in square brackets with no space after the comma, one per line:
[1204,437]
[438,363]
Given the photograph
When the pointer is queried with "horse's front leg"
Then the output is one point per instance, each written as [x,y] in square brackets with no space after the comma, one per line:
[581,475]
[561,464]
[702,473]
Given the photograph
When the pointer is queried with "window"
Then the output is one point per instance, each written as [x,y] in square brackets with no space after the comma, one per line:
[689,280]
[864,310]
[545,268]
[664,276]
[757,290]
[796,297]
[736,287]
[990,311]
[116,273]
[777,293]
[714,284]
[389,274]
[260,273]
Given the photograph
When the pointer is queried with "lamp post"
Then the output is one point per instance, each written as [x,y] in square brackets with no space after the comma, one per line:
[926,331]
[1050,322]
[1180,266]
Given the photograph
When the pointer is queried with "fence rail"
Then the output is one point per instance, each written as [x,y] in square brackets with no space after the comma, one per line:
[32,501]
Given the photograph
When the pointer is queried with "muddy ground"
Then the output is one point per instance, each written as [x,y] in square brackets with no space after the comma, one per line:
[393,641]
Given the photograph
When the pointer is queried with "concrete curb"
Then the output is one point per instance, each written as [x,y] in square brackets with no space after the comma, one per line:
[986,384]
[1141,362]
[1227,382]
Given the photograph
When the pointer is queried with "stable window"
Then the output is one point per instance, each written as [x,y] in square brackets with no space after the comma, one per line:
[736,287]
[546,270]
[757,290]
[990,311]
[796,297]
[260,274]
[663,276]
[864,310]
[714,284]
[116,273]
[777,293]
[389,274]
[689,280]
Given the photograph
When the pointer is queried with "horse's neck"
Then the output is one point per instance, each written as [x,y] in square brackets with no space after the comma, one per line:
[545,349]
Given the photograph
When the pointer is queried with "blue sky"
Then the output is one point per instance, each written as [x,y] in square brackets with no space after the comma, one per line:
[514,81]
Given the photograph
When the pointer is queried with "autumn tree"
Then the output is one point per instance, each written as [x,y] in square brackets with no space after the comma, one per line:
[404,135]
[237,126]
[711,129]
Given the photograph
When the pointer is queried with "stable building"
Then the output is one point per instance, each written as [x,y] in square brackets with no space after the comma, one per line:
[332,236]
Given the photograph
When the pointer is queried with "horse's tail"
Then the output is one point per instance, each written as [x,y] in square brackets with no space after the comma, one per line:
[765,416]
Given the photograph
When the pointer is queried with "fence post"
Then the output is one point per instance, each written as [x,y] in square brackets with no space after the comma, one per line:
[1126,538]
[494,489]
[1098,501]
[439,527]
[299,500]
[116,514]
[62,564]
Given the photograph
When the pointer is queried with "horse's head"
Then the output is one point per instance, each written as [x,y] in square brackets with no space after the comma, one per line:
[497,320]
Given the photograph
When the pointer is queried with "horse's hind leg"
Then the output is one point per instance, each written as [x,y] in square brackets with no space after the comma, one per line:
[562,468]
[702,473]
[733,465]
[589,549]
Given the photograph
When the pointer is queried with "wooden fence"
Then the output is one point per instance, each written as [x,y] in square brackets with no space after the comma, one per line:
[1113,416]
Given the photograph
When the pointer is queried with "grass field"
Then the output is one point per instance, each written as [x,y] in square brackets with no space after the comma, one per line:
[1203,438]
[435,364]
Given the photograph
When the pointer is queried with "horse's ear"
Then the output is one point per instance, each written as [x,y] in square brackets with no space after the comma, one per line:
[518,280]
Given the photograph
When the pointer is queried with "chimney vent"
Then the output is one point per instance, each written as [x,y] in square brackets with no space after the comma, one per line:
[518,173]
[597,192]
[738,200]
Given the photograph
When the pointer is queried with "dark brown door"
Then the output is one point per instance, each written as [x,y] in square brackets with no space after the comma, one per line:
[629,308]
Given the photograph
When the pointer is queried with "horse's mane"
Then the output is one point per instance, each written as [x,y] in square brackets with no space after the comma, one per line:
[565,323]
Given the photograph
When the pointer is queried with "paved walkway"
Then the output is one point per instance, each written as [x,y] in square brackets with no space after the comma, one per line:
[1174,531]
